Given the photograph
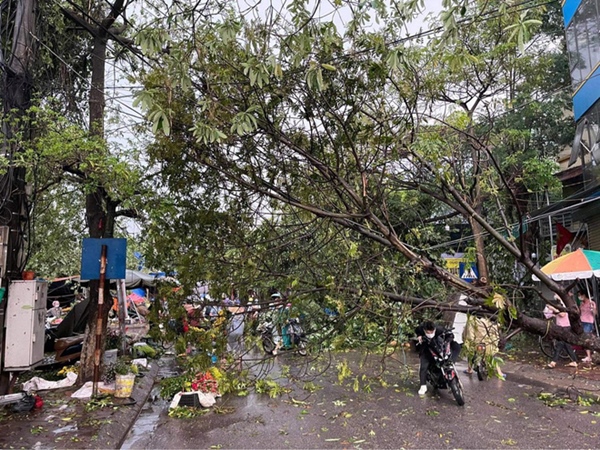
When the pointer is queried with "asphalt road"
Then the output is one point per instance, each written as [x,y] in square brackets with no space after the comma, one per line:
[374,406]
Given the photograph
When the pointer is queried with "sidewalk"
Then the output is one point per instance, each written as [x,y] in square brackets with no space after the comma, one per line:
[63,422]
[585,379]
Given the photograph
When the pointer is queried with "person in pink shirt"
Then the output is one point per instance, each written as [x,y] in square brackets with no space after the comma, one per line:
[587,309]
[562,320]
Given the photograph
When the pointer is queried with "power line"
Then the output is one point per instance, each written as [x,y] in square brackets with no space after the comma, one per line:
[115,99]
[467,20]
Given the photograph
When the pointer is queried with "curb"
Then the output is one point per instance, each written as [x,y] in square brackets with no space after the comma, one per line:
[113,434]
[553,381]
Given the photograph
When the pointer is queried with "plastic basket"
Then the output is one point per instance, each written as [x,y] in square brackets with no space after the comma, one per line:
[189,399]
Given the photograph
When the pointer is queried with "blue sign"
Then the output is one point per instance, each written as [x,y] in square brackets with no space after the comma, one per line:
[116,257]
[468,272]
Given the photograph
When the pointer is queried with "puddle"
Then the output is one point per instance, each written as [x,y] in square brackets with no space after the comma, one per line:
[148,419]
[145,425]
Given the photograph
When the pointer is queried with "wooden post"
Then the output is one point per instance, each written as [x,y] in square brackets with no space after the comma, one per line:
[123,314]
[98,351]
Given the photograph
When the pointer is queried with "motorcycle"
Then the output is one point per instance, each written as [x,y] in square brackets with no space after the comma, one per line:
[295,332]
[266,337]
[442,373]
[297,335]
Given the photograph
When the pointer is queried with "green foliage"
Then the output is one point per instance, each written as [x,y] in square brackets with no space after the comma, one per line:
[186,412]
[552,400]
[172,385]
[64,163]
[144,351]
[521,31]
[269,387]
[262,127]
[344,371]
[99,403]
[125,367]
[109,372]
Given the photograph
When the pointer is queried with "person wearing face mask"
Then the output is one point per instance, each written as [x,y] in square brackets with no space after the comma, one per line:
[425,333]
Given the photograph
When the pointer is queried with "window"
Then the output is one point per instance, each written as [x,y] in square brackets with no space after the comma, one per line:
[573,56]
[589,17]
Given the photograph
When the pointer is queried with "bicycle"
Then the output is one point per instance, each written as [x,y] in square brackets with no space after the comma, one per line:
[548,345]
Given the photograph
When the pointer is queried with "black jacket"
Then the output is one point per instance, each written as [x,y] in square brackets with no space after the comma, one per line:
[439,330]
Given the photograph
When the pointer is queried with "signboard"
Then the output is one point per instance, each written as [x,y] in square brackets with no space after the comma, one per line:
[116,256]
[468,272]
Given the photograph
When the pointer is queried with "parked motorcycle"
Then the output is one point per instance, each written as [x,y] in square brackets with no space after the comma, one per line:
[266,336]
[297,335]
[442,373]
[294,330]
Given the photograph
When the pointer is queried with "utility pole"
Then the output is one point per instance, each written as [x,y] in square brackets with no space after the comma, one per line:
[16,94]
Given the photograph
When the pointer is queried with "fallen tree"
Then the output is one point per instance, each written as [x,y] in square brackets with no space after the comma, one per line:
[290,113]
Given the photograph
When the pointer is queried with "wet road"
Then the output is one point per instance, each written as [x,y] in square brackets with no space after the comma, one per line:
[374,407]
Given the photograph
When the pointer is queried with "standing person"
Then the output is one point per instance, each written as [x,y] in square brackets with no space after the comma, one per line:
[459,323]
[587,309]
[285,326]
[481,330]
[235,332]
[562,320]
[210,310]
[252,308]
[275,316]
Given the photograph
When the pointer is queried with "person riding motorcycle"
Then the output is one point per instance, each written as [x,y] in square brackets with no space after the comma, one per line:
[427,332]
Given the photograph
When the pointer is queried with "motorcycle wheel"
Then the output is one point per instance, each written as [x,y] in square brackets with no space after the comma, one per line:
[457,391]
[268,345]
[302,348]
[482,371]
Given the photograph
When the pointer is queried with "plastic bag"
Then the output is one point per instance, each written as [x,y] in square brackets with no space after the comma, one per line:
[26,404]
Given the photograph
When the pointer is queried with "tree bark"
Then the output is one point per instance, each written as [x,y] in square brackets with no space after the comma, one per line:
[100,210]
[478,238]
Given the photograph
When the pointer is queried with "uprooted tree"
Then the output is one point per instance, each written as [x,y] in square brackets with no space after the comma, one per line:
[288,114]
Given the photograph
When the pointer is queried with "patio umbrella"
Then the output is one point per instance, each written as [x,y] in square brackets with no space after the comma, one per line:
[572,266]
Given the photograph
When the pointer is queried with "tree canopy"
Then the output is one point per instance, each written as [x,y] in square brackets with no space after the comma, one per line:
[389,139]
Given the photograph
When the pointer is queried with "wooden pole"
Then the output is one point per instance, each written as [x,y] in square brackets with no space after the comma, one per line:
[98,350]
[123,314]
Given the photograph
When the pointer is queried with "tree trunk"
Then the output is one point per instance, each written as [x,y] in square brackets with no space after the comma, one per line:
[548,328]
[97,215]
[478,238]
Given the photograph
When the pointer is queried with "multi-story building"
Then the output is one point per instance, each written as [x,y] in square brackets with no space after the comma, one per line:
[580,174]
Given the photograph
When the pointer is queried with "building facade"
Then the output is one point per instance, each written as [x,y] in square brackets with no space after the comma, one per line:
[582,32]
